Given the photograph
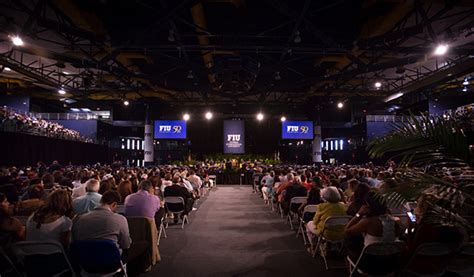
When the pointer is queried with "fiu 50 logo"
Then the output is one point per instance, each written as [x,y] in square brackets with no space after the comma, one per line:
[297,129]
[233,138]
[170,129]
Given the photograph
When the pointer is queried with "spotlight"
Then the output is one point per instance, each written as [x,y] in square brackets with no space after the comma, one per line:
[378,84]
[190,74]
[297,38]
[17,41]
[340,105]
[441,49]
[283,119]
[61,91]
[208,115]
[465,83]
[126,103]
[259,116]
[7,69]
[186,117]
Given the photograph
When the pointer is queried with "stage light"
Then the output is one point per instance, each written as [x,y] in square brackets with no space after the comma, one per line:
[208,115]
[441,49]
[126,103]
[259,116]
[283,119]
[186,117]
[378,84]
[61,91]
[17,41]
[340,105]
[7,69]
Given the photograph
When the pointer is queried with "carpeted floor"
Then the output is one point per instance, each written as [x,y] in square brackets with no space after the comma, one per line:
[234,234]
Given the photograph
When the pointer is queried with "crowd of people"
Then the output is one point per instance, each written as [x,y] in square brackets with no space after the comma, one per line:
[11,121]
[65,204]
[353,194]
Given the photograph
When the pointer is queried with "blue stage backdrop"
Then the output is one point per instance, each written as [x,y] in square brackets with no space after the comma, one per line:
[234,137]
[297,130]
[170,129]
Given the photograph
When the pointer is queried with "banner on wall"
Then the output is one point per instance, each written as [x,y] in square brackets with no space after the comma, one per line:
[234,137]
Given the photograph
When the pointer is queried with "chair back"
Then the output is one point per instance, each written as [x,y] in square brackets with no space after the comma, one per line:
[96,256]
[310,209]
[298,200]
[336,221]
[380,258]
[174,200]
[28,248]
[434,254]
[120,209]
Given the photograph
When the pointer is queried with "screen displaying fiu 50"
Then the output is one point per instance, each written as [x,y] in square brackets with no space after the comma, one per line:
[170,129]
[297,130]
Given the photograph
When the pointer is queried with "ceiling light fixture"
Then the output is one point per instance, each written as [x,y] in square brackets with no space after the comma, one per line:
[186,117]
[7,69]
[465,83]
[441,49]
[277,76]
[283,119]
[208,115]
[378,85]
[190,75]
[340,105]
[61,91]
[126,103]
[17,41]
[260,116]
[464,89]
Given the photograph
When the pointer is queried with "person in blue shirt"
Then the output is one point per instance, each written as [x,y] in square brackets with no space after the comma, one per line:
[90,200]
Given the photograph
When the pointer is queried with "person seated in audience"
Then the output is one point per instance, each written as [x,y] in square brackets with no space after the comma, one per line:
[35,189]
[48,181]
[90,200]
[167,182]
[358,199]
[105,186]
[102,223]
[284,184]
[331,207]
[305,183]
[295,190]
[11,229]
[195,181]
[35,200]
[176,189]
[352,186]
[371,224]
[314,198]
[424,231]
[144,203]
[124,189]
[52,222]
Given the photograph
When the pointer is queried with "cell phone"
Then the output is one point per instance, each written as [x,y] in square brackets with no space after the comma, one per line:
[411,216]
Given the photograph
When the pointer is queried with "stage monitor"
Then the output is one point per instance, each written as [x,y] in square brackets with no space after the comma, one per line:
[170,129]
[297,130]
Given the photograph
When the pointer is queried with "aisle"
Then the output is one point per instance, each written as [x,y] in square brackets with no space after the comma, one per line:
[234,234]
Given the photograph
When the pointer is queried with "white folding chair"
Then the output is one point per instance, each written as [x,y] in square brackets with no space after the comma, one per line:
[301,229]
[333,222]
[438,251]
[120,209]
[176,200]
[162,230]
[463,262]
[24,249]
[382,253]
[294,201]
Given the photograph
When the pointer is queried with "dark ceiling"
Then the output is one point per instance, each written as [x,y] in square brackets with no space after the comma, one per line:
[236,52]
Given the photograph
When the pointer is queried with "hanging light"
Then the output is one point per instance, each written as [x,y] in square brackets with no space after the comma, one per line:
[378,85]
[126,103]
[208,115]
[61,91]
[17,41]
[186,117]
[441,49]
[465,83]
[283,119]
[259,116]
[340,105]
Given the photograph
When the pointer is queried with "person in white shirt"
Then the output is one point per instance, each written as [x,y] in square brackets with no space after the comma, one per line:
[90,200]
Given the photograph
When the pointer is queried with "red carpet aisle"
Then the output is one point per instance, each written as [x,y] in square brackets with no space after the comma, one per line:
[234,234]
